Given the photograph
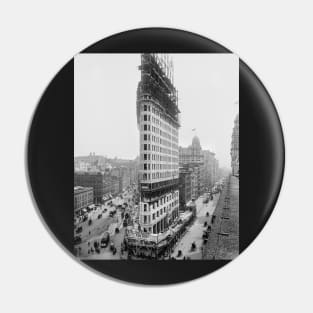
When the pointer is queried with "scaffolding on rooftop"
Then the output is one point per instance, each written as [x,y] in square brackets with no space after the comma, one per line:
[157,83]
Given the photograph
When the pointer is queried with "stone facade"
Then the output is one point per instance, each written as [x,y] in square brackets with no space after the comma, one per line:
[158,124]
[91,179]
[192,158]
[184,187]
[83,197]
[203,165]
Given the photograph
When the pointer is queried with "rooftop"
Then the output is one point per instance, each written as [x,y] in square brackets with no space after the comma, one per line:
[79,189]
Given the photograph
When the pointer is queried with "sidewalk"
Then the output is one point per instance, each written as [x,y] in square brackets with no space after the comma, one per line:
[195,231]
[223,243]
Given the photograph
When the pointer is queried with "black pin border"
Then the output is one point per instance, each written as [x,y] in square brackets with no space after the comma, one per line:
[50,147]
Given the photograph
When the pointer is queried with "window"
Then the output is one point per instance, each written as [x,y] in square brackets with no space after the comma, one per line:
[145,108]
[144,137]
[145,117]
[145,156]
[145,127]
[144,147]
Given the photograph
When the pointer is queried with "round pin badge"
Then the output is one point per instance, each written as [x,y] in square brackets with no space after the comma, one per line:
[133,156]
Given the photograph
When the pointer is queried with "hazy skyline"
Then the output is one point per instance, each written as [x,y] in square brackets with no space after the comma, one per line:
[105,102]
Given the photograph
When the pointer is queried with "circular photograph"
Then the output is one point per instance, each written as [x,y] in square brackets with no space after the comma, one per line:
[134,152]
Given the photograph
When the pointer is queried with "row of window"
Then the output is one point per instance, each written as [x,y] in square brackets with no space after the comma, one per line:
[158,122]
[157,113]
[159,125]
[82,200]
[147,218]
[156,130]
[148,176]
[148,147]
[157,157]
[156,139]
[157,166]
[148,137]
[161,201]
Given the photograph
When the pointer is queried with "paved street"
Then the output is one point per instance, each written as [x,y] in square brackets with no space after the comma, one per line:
[105,253]
[216,247]
[99,226]
[195,231]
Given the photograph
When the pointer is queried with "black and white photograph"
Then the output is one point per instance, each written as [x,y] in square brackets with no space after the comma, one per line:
[156,156]
[125,184]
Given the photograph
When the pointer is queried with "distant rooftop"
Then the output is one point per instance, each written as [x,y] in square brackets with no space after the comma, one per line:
[79,189]
[88,172]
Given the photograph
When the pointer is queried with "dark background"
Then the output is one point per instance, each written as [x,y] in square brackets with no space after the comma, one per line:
[51,147]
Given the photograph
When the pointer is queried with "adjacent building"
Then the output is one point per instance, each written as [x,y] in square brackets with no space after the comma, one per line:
[210,168]
[192,154]
[202,164]
[91,179]
[234,152]
[158,124]
[196,181]
[111,184]
[124,176]
[184,187]
[111,180]
[192,158]
[83,197]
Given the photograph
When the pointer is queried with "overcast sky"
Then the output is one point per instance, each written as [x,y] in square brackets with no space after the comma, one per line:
[105,102]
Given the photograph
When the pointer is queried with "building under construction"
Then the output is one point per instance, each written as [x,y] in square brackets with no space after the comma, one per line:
[158,124]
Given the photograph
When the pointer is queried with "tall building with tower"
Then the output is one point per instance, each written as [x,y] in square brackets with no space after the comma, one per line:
[192,158]
[158,124]
[203,165]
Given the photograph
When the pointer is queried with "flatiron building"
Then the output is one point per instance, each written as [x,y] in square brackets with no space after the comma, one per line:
[158,124]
